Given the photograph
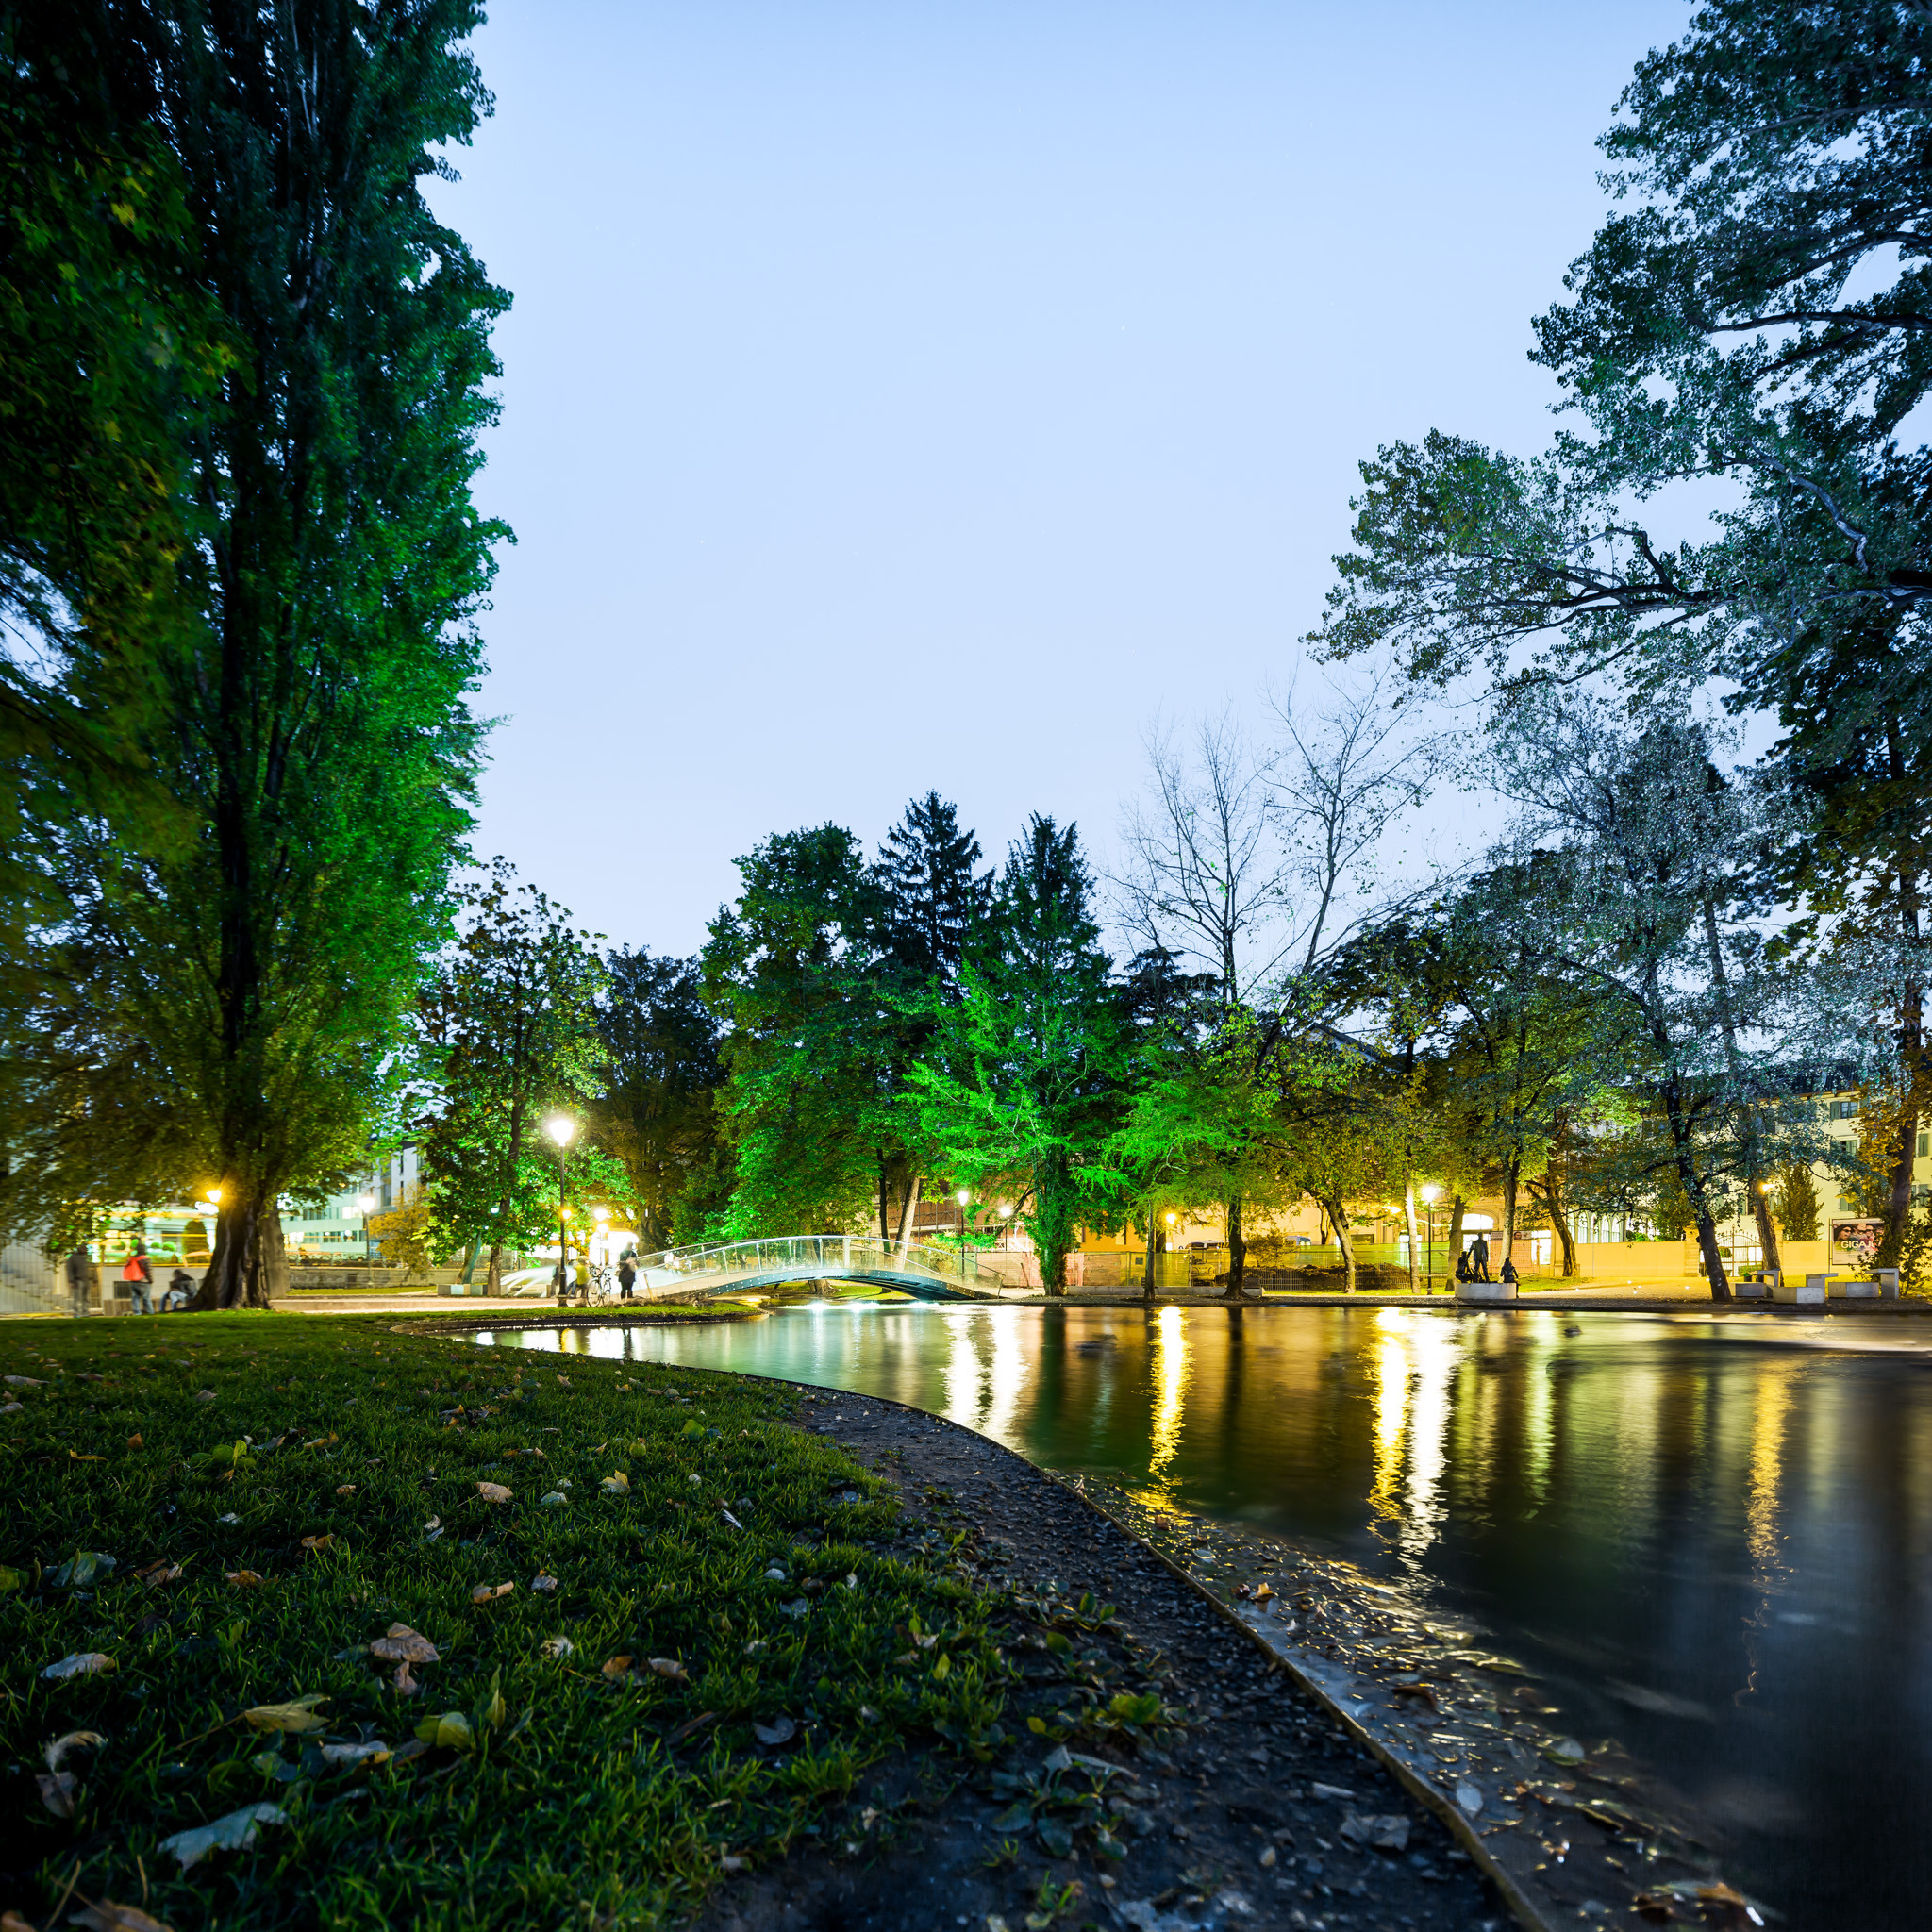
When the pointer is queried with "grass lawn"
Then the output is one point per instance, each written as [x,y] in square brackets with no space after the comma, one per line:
[215,1527]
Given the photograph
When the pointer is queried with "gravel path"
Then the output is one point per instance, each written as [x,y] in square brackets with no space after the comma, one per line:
[1260,1812]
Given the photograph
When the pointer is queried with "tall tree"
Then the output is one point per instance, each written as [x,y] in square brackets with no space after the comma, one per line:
[791,970]
[1759,313]
[509,1029]
[312,727]
[657,1111]
[932,901]
[1023,1089]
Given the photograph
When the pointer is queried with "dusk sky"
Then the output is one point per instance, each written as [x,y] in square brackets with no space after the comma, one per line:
[928,396]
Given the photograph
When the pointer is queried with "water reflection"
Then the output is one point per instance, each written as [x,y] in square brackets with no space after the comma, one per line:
[1711,1539]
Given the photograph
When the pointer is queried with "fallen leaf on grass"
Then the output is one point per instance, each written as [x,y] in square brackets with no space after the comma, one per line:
[346,1489]
[56,1753]
[12,1922]
[615,1667]
[557,1647]
[134,1441]
[318,1543]
[406,1685]
[796,1608]
[106,1916]
[543,1581]
[404,1645]
[162,1572]
[698,1722]
[554,1500]
[779,1731]
[234,1833]
[616,1484]
[448,1728]
[204,1395]
[81,1663]
[297,1718]
[492,1492]
[83,1568]
[353,1754]
[489,1592]
[228,1517]
[23,1381]
[57,1791]
[242,1579]
[12,1408]
[670,1667]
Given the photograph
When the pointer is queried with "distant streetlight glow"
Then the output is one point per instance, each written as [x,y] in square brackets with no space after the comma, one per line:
[1432,1193]
[561,1128]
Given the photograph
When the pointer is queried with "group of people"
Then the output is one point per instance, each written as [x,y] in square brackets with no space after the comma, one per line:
[137,1277]
[578,1278]
[1472,1265]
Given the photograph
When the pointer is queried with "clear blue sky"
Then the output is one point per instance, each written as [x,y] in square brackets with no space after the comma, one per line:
[925,394]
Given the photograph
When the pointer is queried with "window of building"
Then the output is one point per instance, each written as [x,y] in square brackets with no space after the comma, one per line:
[1925,1145]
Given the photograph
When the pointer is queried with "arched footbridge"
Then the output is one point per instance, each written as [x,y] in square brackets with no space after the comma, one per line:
[928,1273]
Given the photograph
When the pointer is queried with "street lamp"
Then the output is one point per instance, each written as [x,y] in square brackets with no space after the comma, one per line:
[962,1197]
[365,1201]
[563,1130]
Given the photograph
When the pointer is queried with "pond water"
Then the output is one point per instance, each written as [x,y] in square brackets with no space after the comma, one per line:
[1710,1539]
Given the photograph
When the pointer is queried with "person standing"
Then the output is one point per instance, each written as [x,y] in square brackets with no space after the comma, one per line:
[1480,1258]
[80,1279]
[627,1275]
[139,1277]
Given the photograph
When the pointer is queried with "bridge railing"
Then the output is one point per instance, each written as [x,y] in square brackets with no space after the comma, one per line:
[829,1254]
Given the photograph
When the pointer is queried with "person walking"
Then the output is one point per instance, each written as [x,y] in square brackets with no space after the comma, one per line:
[139,1277]
[1479,1258]
[80,1280]
[626,1276]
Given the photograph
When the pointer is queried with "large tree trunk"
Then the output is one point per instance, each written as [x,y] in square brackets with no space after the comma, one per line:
[1689,1179]
[1512,1170]
[1237,1252]
[1415,1279]
[1767,1226]
[1560,1220]
[249,1266]
[1336,1212]
[1753,1152]
[1457,1209]
[906,1218]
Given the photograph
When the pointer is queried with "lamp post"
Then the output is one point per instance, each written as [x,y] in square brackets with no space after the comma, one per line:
[365,1201]
[563,1130]
[1430,1194]
[962,1197]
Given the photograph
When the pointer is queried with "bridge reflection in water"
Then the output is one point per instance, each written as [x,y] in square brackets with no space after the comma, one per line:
[927,1274]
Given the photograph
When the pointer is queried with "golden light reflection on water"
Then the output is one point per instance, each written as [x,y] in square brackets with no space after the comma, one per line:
[1172,1362]
[1767,1463]
[1413,1364]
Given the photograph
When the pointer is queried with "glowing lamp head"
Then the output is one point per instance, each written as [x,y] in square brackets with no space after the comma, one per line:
[1432,1193]
[1172,1219]
[364,1203]
[561,1128]
[601,1213]
[962,1197]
